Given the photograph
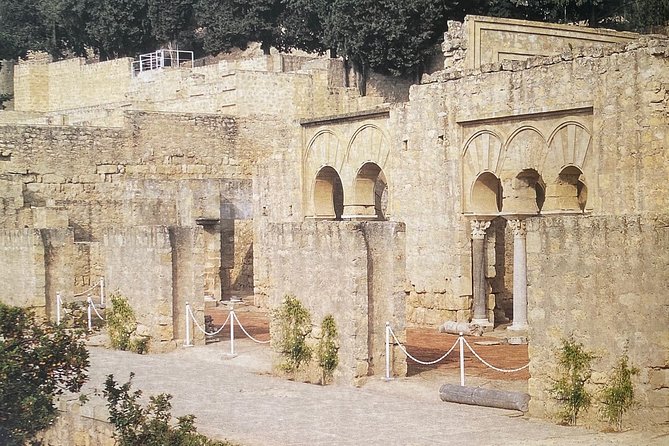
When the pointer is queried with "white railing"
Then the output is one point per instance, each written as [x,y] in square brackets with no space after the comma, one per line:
[163,59]
[461,341]
[92,306]
[232,317]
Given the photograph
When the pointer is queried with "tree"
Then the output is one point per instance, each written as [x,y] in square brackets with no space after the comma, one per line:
[230,23]
[149,426]
[118,28]
[172,21]
[570,388]
[38,361]
[21,28]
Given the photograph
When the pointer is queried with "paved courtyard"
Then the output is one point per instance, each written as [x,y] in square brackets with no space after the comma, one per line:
[239,399]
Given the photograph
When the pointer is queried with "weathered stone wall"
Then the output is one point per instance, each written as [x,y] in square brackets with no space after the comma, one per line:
[7,82]
[80,424]
[351,270]
[603,280]
[484,40]
[158,270]
[23,278]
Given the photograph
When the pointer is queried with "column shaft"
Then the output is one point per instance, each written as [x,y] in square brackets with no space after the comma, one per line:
[519,276]
[479,286]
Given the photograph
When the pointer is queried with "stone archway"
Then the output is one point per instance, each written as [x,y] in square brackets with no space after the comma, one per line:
[568,192]
[486,194]
[328,195]
[371,193]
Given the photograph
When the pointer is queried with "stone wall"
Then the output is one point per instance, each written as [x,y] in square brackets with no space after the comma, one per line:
[484,40]
[158,270]
[7,82]
[602,280]
[351,270]
[23,278]
[80,424]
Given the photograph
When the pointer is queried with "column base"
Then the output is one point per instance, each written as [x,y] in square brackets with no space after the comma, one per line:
[483,323]
[518,327]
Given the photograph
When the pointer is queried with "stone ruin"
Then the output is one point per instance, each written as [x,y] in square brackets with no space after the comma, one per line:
[524,181]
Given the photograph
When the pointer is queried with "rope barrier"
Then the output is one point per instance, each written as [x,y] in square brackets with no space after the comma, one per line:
[493,367]
[246,332]
[418,360]
[92,304]
[87,291]
[192,316]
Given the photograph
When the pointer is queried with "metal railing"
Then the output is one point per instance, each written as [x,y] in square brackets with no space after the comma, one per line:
[163,59]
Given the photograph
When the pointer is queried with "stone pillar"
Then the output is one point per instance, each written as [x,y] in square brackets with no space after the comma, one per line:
[480,288]
[519,275]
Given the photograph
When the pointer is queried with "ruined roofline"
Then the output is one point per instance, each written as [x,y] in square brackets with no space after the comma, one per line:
[655,45]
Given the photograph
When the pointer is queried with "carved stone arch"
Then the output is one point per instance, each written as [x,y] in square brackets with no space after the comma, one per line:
[368,142]
[567,145]
[525,149]
[567,192]
[370,193]
[486,194]
[324,149]
[481,153]
[328,194]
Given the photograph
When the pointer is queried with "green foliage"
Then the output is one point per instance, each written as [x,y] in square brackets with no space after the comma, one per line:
[38,361]
[570,388]
[328,357]
[617,397]
[294,322]
[151,425]
[122,325]
[5,97]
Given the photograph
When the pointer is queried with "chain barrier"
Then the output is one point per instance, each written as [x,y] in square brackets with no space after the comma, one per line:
[492,366]
[246,332]
[418,360]
[192,316]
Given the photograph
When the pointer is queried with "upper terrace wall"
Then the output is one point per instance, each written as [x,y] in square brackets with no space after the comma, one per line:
[70,84]
[483,40]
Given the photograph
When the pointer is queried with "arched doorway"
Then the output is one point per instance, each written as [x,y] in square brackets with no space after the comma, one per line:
[371,192]
[328,195]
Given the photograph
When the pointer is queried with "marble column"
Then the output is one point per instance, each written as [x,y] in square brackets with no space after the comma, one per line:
[480,288]
[519,276]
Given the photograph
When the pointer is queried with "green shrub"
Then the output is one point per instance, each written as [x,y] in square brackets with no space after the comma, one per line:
[151,425]
[617,397]
[328,350]
[294,323]
[122,326]
[570,388]
[38,361]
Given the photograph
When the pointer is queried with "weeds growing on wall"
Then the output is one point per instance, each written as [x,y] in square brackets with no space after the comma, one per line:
[617,396]
[294,323]
[122,326]
[570,387]
[151,425]
[328,349]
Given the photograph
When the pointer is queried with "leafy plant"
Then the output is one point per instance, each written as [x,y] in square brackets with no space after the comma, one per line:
[570,387]
[294,327]
[617,397]
[328,350]
[122,326]
[151,425]
[38,361]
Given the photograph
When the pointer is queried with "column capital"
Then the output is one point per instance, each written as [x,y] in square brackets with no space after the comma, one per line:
[518,226]
[478,228]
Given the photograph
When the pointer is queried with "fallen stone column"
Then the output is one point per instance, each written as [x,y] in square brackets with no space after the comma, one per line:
[477,396]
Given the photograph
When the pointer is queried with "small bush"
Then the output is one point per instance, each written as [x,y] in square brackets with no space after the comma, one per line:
[328,350]
[122,326]
[294,327]
[151,425]
[617,397]
[569,389]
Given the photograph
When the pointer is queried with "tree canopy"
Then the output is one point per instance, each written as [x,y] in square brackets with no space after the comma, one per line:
[389,36]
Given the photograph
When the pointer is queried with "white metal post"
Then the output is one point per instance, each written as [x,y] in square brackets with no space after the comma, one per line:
[232,330]
[387,351]
[102,290]
[58,303]
[461,340]
[90,321]
[188,341]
